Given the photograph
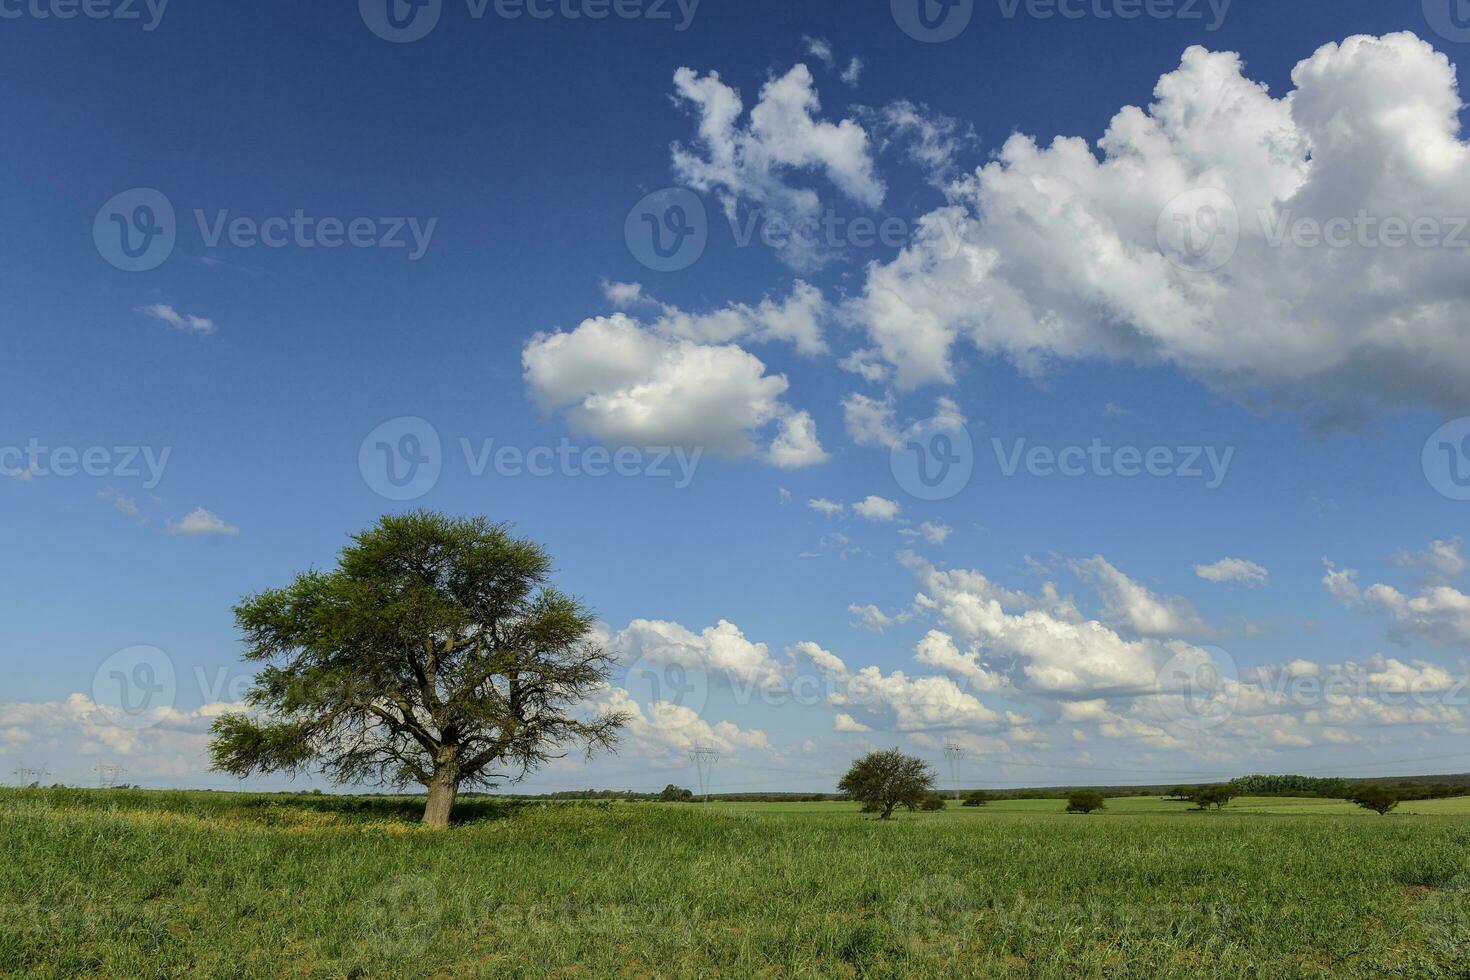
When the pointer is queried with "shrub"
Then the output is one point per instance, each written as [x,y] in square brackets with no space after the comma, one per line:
[1213,796]
[932,802]
[1379,799]
[976,797]
[1084,801]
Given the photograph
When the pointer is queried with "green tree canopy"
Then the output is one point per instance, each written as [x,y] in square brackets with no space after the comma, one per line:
[1215,796]
[435,653]
[883,780]
[1085,801]
[1379,799]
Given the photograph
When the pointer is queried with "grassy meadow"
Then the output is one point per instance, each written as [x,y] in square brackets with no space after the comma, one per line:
[142,884]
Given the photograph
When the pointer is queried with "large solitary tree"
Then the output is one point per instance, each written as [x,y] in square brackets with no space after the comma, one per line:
[435,653]
[881,781]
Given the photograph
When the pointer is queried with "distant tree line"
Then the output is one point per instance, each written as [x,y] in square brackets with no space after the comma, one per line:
[1404,788]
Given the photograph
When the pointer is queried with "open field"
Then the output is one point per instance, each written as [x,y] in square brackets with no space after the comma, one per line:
[133,883]
[1131,805]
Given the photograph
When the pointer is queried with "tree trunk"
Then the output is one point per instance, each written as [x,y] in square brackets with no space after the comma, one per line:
[887,811]
[443,789]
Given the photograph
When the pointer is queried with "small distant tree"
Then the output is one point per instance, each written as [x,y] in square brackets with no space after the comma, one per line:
[1085,801]
[881,781]
[1379,799]
[436,652]
[1182,793]
[933,802]
[1217,796]
[676,794]
[976,797]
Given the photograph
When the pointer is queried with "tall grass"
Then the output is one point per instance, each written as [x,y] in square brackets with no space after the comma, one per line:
[122,883]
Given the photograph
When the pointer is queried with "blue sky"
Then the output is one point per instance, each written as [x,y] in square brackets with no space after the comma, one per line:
[1042,299]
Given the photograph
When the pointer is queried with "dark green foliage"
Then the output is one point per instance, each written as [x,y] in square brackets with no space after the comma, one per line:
[434,653]
[976,797]
[1085,801]
[1215,796]
[1289,785]
[1379,799]
[932,802]
[676,794]
[881,781]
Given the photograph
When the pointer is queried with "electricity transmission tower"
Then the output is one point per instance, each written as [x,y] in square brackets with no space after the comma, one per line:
[704,758]
[953,752]
[109,776]
[31,777]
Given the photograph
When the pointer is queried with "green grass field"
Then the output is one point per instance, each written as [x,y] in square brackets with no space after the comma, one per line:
[141,884]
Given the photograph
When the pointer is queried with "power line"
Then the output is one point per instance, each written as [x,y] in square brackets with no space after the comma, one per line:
[954,752]
[704,758]
[108,776]
[31,777]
